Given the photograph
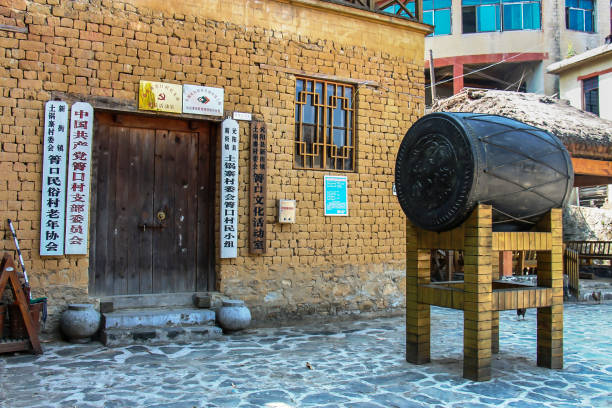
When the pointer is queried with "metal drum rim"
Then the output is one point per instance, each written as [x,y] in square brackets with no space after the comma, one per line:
[408,140]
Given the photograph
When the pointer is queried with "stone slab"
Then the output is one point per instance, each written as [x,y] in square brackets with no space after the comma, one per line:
[132,318]
[159,335]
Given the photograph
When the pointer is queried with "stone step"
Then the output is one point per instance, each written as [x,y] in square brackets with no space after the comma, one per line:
[156,300]
[159,335]
[158,326]
[158,317]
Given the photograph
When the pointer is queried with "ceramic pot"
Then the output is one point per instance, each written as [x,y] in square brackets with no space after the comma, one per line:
[79,322]
[233,315]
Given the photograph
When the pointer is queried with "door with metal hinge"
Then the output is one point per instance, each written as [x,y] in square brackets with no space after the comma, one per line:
[152,209]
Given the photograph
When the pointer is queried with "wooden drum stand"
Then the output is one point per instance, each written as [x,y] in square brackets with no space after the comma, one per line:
[478,295]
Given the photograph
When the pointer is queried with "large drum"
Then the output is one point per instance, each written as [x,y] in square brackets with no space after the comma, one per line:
[449,162]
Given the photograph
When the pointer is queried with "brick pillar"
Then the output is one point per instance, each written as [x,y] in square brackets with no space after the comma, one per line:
[494,332]
[550,274]
[505,263]
[478,296]
[417,314]
[458,77]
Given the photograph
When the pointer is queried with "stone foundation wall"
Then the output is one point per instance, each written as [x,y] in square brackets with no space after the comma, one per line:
[322,291]
[99,50]
[587,224]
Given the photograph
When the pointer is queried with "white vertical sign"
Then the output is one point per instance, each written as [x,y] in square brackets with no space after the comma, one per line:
[79,170]
[53,205]
[229,188]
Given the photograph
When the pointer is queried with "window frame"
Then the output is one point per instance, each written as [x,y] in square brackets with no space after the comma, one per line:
[499,6]
[522,4]
[584,11]
[588,88]
[433,11]
[321,150]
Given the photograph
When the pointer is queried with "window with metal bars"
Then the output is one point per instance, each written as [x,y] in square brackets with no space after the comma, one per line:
[324,125]
[590,89]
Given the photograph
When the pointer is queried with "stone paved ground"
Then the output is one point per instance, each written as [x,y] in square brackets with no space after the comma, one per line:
[354,364]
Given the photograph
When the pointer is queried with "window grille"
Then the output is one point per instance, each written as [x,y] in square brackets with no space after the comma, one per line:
[324,125]
[590,89]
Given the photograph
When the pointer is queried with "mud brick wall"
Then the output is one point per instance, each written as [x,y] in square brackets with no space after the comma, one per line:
[102,49]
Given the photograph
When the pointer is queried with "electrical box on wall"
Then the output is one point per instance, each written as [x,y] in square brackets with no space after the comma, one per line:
[286,211]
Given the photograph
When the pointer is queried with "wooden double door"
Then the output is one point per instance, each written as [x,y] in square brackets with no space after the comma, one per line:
[152,228]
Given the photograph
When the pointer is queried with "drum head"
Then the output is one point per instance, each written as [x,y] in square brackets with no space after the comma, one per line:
[434,173]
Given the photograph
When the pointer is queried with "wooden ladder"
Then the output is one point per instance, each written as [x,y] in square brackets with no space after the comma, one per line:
[8,274]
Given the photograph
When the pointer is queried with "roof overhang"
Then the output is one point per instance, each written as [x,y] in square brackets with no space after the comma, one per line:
[580,59]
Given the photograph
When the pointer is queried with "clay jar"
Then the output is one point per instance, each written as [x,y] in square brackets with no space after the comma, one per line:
[233,315]
[79,322]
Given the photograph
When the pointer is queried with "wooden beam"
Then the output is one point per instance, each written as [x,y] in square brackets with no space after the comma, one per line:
[590,167]
[14,29]
[320,76]
[484,75]
[589,181]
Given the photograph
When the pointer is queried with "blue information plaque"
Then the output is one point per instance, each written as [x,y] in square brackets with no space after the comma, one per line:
[336,198]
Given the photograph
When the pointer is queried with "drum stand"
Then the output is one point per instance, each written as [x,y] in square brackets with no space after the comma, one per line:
[478,295]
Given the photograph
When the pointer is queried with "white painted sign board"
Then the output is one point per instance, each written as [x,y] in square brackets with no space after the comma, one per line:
[53,205]
[202,100]
[79,171]
[229,188]
[243,116]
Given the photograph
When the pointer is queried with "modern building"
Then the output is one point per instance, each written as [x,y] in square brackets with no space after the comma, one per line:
[507,44]
[585,80]
[321,93]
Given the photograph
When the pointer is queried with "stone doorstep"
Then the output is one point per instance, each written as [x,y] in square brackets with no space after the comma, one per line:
[159,335]
[158,326]
[160,317]
[158,300]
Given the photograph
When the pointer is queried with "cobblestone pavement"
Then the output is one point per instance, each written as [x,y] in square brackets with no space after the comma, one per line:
[353,364]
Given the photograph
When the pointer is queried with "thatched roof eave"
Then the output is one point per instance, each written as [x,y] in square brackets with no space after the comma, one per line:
[584,134]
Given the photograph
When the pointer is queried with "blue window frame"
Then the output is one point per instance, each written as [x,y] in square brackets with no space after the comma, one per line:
[521,15]
[497,15]
[438,14]
[579,15]
[481,16]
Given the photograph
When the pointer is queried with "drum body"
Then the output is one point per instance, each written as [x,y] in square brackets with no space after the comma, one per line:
[449,162]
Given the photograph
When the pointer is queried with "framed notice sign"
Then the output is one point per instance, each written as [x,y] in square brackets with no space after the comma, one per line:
[336,199]
[53,206]
[202,100]
[79,170]
[229,188]
[160,96]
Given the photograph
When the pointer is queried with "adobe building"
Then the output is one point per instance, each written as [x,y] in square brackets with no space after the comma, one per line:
[317,88]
